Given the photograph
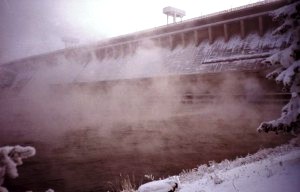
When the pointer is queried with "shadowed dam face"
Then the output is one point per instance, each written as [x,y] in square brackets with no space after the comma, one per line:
[86,135]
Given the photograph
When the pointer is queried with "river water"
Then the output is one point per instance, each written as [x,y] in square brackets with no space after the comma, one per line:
[100,155]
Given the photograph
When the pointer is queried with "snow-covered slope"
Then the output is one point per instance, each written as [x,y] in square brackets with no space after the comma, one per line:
[269,170]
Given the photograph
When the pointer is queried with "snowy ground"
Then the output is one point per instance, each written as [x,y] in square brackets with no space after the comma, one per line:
[273,170]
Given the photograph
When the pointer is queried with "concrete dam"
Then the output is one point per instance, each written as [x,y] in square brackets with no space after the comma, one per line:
[154,102]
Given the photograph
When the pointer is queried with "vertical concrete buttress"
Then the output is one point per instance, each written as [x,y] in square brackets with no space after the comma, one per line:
[210,35]
[106,52]
[121,51]
[226,35]
[261,26]
[170,41]
[114,52]
[182,39]
[102,54]
[196,38]
[242,28]
[159,43]
[130,51]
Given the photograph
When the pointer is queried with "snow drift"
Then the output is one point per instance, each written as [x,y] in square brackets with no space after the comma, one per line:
[268,170]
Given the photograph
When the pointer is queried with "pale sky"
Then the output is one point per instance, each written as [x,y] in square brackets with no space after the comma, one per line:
[29,27]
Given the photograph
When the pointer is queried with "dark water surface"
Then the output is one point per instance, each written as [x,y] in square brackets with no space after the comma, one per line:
[97,157]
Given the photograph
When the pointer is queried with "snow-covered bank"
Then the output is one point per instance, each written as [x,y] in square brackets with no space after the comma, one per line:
[271,170]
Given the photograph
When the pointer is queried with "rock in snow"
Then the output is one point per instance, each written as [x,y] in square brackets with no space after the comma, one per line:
[50,190]
[166,185]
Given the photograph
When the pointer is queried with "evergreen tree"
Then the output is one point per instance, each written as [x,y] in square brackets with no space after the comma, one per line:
[287,71]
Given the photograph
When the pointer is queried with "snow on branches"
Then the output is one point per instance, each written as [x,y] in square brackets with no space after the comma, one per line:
[10,158]
[287,72]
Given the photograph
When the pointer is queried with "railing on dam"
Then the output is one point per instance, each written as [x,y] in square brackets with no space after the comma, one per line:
[264,2]
[235,9]
[255,10]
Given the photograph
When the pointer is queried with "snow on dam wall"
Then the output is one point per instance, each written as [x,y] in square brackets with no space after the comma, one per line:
[148,61]
[153,102]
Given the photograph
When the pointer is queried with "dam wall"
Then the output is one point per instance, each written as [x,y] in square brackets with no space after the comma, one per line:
[237,39]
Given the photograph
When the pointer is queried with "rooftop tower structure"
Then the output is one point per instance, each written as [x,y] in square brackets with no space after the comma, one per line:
[173,12]
[70,42]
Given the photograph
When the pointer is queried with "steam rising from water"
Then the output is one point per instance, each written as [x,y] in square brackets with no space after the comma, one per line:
[147,118]
[50,101]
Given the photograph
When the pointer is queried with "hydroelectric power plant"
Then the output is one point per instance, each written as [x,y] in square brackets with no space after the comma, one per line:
[153,102]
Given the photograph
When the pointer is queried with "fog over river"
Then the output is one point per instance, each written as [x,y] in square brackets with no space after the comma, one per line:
[89,138]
